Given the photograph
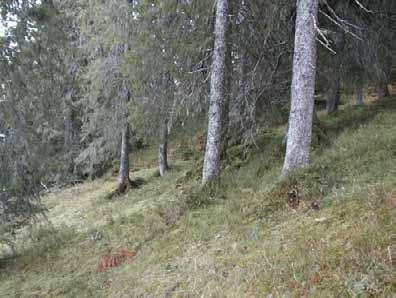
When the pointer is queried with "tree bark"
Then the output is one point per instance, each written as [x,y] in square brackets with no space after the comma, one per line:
[68,129]
[123,175]
[334,92]
[246,110]
[359,94]
[228,81]
[163,149]
[382,90]
[211,168]
[333,95]
[382,84]
[303,87]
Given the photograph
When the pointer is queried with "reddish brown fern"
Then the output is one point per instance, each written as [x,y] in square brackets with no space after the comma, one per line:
[114,260]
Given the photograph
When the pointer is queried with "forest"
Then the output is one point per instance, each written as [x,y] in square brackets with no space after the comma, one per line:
[197,148]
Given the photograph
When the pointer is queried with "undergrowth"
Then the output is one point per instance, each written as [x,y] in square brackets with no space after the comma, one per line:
[239,240]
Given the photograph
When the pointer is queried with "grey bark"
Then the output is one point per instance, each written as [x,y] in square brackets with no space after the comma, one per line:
[167,84]
[163,149]
[123,174]
[19,141]
[228,80]
[211,168]
[68,129]
[303,87]
[69,138]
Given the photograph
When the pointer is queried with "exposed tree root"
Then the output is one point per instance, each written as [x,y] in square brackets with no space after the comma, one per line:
[123,189]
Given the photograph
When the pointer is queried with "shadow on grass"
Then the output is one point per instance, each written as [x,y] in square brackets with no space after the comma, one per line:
[6,262]
[355,116]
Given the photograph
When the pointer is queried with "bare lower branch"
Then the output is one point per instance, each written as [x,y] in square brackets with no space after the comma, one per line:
[362,7]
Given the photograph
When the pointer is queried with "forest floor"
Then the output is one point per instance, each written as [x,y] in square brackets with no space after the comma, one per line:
[243,240]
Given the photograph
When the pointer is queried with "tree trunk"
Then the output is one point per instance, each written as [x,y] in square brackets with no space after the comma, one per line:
[382,90]
[163,149]
[303,87]
[333,95]
[68,129]
[382,84]
[334,92]
[68,139]
[359,94]
[211,169]
[228,81]
[246,110]
[123,175]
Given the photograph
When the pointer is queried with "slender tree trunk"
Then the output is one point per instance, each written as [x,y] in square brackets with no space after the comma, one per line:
[359,94]
[246,110]
[18,140]
[334,92]
[68,139]
[123,175]
[303,87]
[333,95]
[382,90]
[243,85]
[382,84]
[246,118]
[68,129]
[211,168]
[163,149]
[228,81]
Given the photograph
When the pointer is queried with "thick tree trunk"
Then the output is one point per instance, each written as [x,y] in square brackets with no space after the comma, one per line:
[211,169]
[359,94]
[163,149]
[303,87]
[123,175]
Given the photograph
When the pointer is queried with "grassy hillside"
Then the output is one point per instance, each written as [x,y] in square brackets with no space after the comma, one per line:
[241,241]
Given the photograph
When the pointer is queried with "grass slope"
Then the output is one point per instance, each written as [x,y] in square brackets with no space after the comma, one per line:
[240,241]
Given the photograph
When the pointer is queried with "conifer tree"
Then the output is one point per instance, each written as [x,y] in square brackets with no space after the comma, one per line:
[303,87]
[215,135]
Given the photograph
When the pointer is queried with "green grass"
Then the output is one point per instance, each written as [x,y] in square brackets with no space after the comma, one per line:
[240,241]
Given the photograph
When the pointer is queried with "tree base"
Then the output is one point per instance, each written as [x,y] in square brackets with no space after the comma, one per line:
[124,188]
[163,170]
